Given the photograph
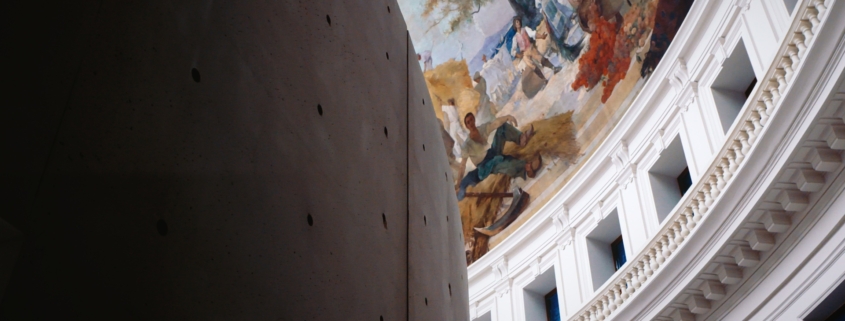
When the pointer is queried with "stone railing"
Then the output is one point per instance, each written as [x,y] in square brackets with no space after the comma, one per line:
[753,119]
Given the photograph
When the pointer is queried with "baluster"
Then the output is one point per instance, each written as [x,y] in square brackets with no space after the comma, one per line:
[623,294]
[749,129]
[770,105]
[780,75]
[652,260]
[757,127]
[714,186]
[732,163]
[798,41]
[737,149]
[679,236]
[617,295]
[604,310]
[786,64]
[702,203]
[689,215]
[792,51]
[745,146]
[720,177]
[760,107]
[813,16]
[593,313]
[696,209]
[632,287]
[806,29]
[658,251]
[726,169]
[664,241]
[819,6]
[772,87]
[641,273]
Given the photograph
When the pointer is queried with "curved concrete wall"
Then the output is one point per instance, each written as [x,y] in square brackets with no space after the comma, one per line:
[223,160]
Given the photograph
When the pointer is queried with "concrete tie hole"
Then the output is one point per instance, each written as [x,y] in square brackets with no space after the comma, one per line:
[384,220]
[450,289]
[385,131]
[320,109]
[423,101]
[425,220]
[388,9]
[195,74]
[329,20]
[310,220]
[426,301]
[423,147]
[387,55]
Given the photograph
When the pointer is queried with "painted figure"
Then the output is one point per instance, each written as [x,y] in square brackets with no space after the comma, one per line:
[492,160]
[524,48]
[486,108]
[425,57]
[453,126]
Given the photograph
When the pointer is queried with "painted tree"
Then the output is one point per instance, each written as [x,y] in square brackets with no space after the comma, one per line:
[611,46]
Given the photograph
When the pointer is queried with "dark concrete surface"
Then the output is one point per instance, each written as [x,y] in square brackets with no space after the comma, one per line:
[213,160]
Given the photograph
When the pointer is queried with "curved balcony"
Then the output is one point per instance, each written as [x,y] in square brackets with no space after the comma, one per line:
[776,161]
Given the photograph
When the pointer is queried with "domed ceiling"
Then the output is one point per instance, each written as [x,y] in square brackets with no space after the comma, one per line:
[526,90]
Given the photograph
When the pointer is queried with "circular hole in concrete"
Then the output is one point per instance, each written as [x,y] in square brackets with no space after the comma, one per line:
[161,226]
[384,220]
[195,74]
[329,20]
[310,220]
[387,55]
[385,131]
[320,109]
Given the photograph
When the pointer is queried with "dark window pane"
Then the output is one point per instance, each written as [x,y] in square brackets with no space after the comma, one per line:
[684,181]
[552,308]
[750,87]
[618,250]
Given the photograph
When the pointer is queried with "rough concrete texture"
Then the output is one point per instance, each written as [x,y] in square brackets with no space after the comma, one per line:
[223,160]
[437,246]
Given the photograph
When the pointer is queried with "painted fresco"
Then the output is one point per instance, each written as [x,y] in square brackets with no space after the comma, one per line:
[526,90]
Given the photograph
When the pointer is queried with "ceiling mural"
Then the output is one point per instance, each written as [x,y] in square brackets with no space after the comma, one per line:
[526,90]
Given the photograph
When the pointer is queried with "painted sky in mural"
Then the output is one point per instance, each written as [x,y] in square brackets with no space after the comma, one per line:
[526,90]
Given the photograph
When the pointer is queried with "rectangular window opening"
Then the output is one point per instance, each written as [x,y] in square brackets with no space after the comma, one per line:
[540,296]
[605,249]
[733,85]
[670,178]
